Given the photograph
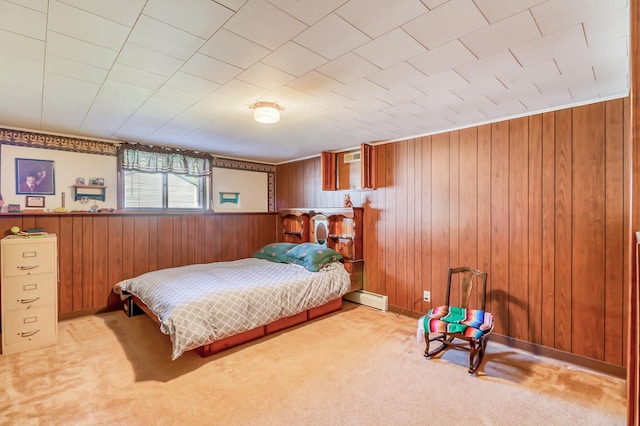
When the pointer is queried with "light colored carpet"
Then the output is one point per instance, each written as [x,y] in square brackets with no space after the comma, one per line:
[358,366]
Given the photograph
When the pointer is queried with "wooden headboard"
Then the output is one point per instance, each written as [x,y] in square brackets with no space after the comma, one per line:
[343,234]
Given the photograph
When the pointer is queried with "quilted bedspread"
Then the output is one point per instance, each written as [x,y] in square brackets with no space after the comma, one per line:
[199,304]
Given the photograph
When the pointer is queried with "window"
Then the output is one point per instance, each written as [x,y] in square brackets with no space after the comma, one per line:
[164,190]
[163,178]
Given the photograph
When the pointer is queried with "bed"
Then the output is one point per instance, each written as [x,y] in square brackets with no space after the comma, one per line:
[211,307]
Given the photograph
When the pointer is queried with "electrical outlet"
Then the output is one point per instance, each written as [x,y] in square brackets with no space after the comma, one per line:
[427,296]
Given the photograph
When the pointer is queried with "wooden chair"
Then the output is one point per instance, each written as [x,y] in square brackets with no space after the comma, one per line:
[458,320]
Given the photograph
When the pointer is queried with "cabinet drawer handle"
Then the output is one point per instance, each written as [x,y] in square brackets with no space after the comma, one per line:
[27,267]
[31,300]
[29,333]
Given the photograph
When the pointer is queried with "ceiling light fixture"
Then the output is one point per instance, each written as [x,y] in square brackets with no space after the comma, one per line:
[266,112]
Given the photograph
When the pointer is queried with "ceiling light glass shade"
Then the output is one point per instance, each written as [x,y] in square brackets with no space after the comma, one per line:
[266,112]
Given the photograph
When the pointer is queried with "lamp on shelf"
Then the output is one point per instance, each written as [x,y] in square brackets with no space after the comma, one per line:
[266,112]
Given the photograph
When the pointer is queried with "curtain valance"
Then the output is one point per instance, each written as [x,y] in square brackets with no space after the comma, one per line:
[153,159]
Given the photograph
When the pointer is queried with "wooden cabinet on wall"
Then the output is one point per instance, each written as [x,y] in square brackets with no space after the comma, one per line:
[29,292]
[348,170]
[295,226]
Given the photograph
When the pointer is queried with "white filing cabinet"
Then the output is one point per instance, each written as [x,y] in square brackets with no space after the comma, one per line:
[29,292]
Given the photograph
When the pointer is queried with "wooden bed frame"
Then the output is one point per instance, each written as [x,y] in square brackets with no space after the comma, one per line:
[247,336]
[344,235]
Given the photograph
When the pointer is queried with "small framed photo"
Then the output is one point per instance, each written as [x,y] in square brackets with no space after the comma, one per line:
[34,201]
[96,181]
[34,177]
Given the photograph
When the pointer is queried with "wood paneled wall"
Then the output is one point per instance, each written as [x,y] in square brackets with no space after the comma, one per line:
[540,203]
[95,251]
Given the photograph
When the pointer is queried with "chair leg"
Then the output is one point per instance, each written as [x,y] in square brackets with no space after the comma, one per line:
[472,356]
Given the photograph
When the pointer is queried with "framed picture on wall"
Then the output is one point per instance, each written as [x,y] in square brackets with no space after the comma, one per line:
[34,201]
[34,177]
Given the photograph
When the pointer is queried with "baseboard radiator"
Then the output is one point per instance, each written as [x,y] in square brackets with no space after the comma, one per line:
[367,298]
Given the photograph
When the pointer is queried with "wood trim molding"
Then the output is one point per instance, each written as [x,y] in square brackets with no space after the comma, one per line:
[633,331]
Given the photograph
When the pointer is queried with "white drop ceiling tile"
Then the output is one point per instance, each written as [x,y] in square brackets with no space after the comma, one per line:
[400,94]
[294,59]
[497,10]
[314,83]
[191,83]
[448,22]
[557,44]
[577,77]
[57,120]
[360,88]
[396,75]
[234,5]
[136,77]
[442,58]
[137,56]
[114,103]
[101,123]
[613,25]
[556,15]
[479,89]
[308,11]
[156,111]
[122,11]
[199,17]
[62,66]
[264,24]
[131,130]
[77,23]
[233,49]
[20,111]
[117,88]
[80,51]
[375,117]
[347,68]
[505,109]
[22,66]
[390,48]
[160,37]
[210,69]
[447,79]
[509,32]
[328,101]
[377,17]
[331,37]
[517,92]
[70,89]
[264,76]
[542,70]
[432,4]
[608,71]
[23,21]
[287,97]
[21,84]
[179,97]
[37,5]
[437,99]
[547,100]
[21,46]
[403,109]
[490,66]
[236,94]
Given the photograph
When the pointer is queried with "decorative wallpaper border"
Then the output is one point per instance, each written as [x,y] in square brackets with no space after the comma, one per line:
[270,170]
[65,143]
[60,143]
